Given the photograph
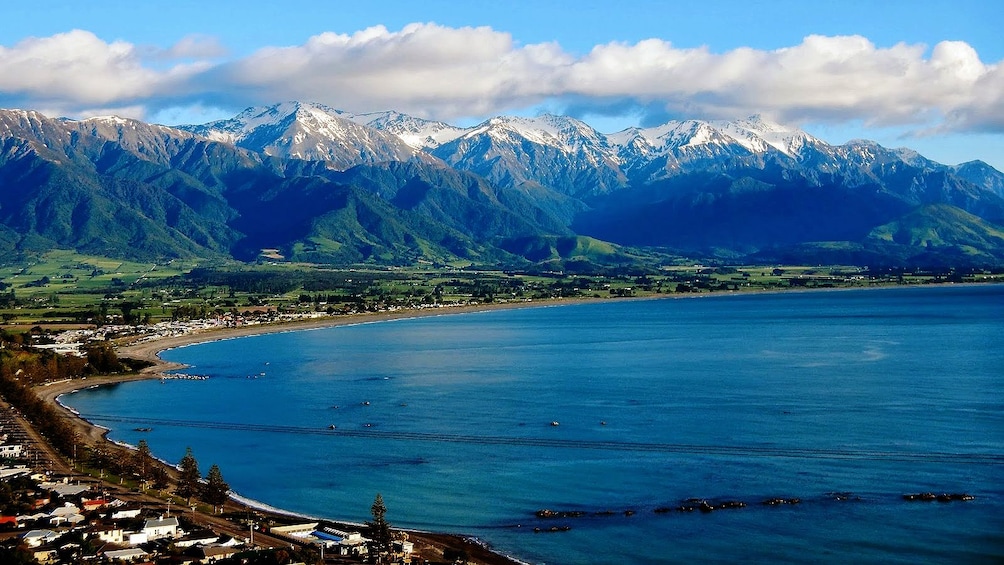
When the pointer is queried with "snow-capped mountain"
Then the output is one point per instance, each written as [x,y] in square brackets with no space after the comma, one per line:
[308,131]
[676,147]
[557,152]
[325,185]
[416,132]
[570,156]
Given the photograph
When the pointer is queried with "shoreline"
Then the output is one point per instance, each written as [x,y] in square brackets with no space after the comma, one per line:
[150,351]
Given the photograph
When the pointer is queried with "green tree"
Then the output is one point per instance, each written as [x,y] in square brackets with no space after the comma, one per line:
[188,476]
[142,463]
[216,490]
[379,529]
[160,478]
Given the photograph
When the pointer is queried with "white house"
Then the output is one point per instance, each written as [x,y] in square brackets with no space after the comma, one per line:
[131,554]
[35,538]
[68,513]
[126,512]
[11,450]
[108,534]
[297,531]
[18,470]
[161,528]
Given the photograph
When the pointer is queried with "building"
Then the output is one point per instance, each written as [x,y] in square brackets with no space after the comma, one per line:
[161,528]
[12,451]
[126,555]
[35,538]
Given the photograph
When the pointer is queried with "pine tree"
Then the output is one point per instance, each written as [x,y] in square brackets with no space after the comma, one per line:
[142,462]
[379,529]
[188,476]
[216,490]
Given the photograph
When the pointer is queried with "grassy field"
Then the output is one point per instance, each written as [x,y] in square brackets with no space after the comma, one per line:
[66,289]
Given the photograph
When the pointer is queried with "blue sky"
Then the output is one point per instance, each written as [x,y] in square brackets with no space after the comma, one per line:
[919,73]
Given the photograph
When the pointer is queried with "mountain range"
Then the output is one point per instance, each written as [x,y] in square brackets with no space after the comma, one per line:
[311,183]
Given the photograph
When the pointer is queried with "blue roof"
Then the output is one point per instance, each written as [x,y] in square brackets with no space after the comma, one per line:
[324,535]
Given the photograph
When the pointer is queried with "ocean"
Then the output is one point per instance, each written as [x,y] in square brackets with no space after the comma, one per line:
[607,412]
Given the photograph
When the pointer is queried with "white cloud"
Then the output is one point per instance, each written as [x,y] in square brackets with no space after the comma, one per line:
[423,69]
[77,73]
[195,46]
[448,73]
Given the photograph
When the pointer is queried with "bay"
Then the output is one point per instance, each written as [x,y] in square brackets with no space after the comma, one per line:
[875,393]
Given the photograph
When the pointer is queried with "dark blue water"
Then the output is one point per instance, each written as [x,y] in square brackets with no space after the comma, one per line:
[877,393]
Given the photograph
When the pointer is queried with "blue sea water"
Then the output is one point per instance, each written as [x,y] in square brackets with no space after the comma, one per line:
[743,397]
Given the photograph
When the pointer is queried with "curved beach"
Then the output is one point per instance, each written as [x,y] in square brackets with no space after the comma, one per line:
[150,350]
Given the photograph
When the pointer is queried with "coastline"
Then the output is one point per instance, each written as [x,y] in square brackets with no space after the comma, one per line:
[150,350]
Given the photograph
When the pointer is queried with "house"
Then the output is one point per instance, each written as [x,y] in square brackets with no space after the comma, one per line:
[47,554]
[11,450]
[161,528]
[201,537]
[404,546]
[214,553]
[127,511]
[91,505]
[66,514]
[344,543]
[35,538]
[295,531]
[66,490]
[32,517]
[107,533]
[126,555]
[14,471]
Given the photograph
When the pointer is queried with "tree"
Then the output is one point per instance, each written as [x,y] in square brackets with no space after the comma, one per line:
[142,462]
[379,529]
[188,476]
[160,478]
[216,491]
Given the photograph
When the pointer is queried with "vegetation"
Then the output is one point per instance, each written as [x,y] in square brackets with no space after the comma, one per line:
[216,490]
[379,529]
[62,290]
[188,476]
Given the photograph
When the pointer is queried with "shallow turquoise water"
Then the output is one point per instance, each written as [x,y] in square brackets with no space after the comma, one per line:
[878,393]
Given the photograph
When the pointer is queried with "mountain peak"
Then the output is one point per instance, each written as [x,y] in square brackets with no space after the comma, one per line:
[308,131]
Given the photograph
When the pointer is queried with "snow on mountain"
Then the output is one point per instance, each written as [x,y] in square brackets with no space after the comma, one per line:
[416,132]
[758,135]
[556,152]
[753,134]
[563,133]
[567,135]
[308,131]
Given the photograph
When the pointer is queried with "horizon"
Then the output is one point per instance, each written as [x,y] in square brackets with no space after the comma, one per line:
[921,74]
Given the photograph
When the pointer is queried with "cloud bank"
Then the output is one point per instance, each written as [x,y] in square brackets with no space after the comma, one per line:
[449,73]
